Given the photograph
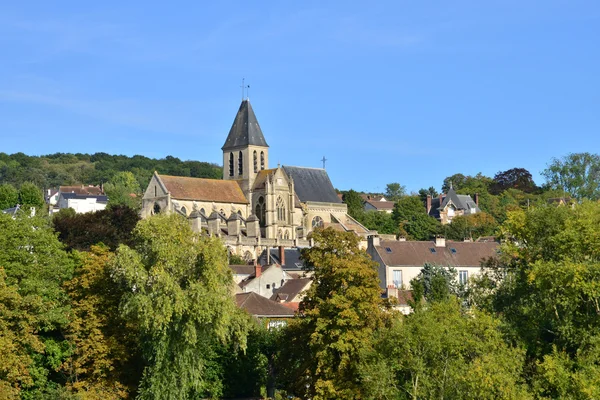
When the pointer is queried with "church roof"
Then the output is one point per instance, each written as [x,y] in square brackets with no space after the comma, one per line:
[312,184]
[245,129]
[185,188]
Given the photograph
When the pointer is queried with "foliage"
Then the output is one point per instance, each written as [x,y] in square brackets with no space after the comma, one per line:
[423,193]
[380,221]
[36,264]
[67,169]
[104,345]
[471,226]
[9,196]
[411,216]
[111,226]
[394,191]
[31,196]
[179,293]
[514,178]
[577,174]
[467,184]
[441,352]
[434,283]
[340,313]
[354,203]
[124,189]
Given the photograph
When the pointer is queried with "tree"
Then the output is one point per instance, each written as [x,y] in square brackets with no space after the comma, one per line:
[457,181]
[394,191]
[515,178]
[339,315]
[179,293]
[35,262]
[354,203]
[111,227]
[380,221]
[411,216]
[440,352]
[31,196]
[577,174]
[123,189]
[423,193]
[471,226]
[105,349]
[434,283]
[9,197]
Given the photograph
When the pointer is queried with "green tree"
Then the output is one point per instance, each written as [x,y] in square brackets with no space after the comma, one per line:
[423,193]
[380,221]
[577,174]
[124,189]
[440,352]
[31,196]
[434,283]
[9,196]
[354,203]
[340,313]
[411,216]
[179,294]
[394,191]
[515,178]
[471,226]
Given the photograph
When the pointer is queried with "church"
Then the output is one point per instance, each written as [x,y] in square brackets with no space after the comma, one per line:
[253,204]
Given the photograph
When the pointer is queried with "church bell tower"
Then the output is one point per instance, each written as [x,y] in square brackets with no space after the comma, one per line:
[245,152]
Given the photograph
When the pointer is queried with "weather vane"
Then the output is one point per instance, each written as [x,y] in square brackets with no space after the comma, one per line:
[245,88]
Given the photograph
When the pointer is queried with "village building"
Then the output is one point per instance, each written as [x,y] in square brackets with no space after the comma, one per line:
[271,313]
[447,206]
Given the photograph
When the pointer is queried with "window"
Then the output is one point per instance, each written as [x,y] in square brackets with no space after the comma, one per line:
[255,162]
[184,210]
[260,211]
[202,211]
[230,164]
[156,208]
[463,277]
[280,209]
[286,235]
[432,249]
[262,160]
[317,222]
[388,250]
[222,212]
[155,191]
[453,250]
[397,278]
[240,164]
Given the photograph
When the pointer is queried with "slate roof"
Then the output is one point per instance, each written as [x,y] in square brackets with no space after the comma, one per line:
[416,253]
[242,269]
[261,306]
[185,188]
[293,262]
[245,129]
[290,289]
[99,198]
[461,201]
[81,189]
[312,184]
[12,211]
[381,205]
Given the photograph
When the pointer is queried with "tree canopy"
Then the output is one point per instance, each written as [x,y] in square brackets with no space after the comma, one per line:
[577,174]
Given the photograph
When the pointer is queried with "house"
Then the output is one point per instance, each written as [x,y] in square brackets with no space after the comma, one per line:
[13,211]
[290,259]
[380,205]
[265,280]
[401,260]
[242,272]
[450,205]
[81,203]
[271,312]
[292,292]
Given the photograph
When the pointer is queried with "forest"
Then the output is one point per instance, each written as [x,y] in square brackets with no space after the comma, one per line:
[107,306]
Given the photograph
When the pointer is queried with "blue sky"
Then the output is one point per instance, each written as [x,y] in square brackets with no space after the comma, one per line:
[388,91]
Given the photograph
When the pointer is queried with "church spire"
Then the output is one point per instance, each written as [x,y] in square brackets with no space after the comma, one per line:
[245,129]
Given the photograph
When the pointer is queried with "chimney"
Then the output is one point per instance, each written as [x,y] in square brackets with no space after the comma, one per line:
[257,270]
[440,241]
[428,206]
[467,240]
[477,198]
[282,255]
[441,198]
[401,238]
[373,241]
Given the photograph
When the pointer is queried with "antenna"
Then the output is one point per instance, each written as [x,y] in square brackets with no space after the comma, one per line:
[245,88]
[323,161]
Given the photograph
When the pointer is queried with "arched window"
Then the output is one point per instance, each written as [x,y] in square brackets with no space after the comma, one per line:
[202,211]
[262,160]
[280,209]
[222,212]
[240,164]
[156,208]
[260,211]
[255,162]
[286,236]
[240,213]
[184,210]
[280,234]
[317,222]
[230,164]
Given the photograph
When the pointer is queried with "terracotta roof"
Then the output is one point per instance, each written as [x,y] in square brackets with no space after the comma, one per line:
[81,189]
[185,188]
[261,177]
[382,205]
[413,253]
[261,306]
[291,289]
